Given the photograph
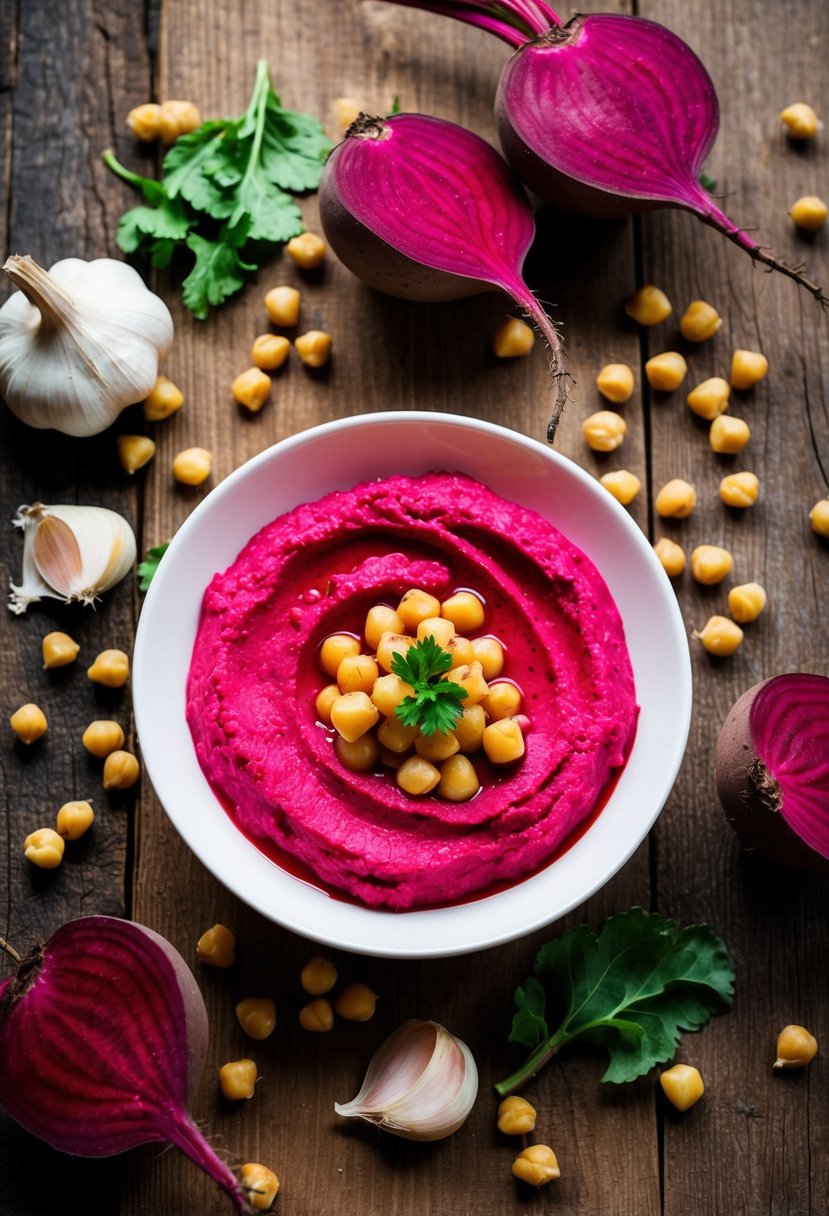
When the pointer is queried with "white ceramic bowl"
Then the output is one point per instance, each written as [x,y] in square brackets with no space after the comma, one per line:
[337,456]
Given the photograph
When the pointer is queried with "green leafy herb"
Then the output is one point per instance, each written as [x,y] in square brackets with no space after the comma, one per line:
[436,704]
[147,568]
[223,194]
[707,183]
[631,989]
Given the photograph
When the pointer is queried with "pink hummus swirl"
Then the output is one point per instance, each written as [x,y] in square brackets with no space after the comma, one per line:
[317,570]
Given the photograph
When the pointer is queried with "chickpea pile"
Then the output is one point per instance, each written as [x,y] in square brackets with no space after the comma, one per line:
[360,704]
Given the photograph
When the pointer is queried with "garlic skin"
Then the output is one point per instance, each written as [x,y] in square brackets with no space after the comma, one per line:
[421,1084]
[79,343]
[70,553]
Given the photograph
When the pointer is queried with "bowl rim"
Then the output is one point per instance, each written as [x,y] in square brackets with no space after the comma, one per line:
[329,930]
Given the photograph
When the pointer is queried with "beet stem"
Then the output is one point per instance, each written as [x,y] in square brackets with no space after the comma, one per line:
[180,1130]
[10,950]
[523,296]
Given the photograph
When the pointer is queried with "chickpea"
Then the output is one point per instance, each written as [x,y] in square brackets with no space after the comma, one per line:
[624,486]
[359,756]
[318,976]
[648,306]
[670,555]
[461,650]
[314,348]
[469,728]
[28,723]
[74,819]
[746,602]
[334,649]
[259,1185]
[604,431]
[438,746]
[356,1002]
[502,701]
[436,627]
[513,339]
[177,118]
[676,499]
[237,1079]
[458,779]
[720,636]
[615,382]
[388,692]
[516,1116]
[739,489]
[357,673]
[353,714]
[44,848]
[102,737]
[111,668]
[465,610]
[216,947]
[145,122]
[417,776]
[800,121]
[58,650]
[345,110]
[379,620]
[471,679]
[490,654]
[121,770]
[819,517]
[503,741]
[809,213]
[317,1016]
[796,1047]
[728,435]
[415,606]
[257,1016]
[699,322]
[282,305]
[269,352]
[537,1165]
[325,698]
[390,645]
[710,398]
[710,564]
[682,1085]
[748,367]
[307,250]
[666,372]
[251,389]
[164,399]
[134,451]
[192,466]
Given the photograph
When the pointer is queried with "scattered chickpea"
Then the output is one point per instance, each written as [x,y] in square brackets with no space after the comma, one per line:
[251,388]
[29,723]
[441,629]
[699,322]
[720,636]
[177,118]
[44,848]
[604,431]
[121,770]
[436,747]
[307,250]
[469,728]
[134,451]
[513,339]
[334,649]
[458,779]
[800,121]
[465,610]
[345,110]
[192,466]
[257,1016]
[676,499]
[623,485]
[503,741]
[58,649]
[237,1079]
[216,947]
[111,668]
[358,756]
[615,381]
[417,776]
[489,653]
[317,1016]
[314,348]
[666,372]
[357,673]
[709,399]
[682,1085]
[388,692]
[710,564]
[353,714]
[819,517]
[268,353]
[470,676]
[356,1002]
[381,619]
[796,1047]
[649,305]
[318,976]
[809,213]
[415,606]
[145,122]
[516,1116]
[259,1185]
[536,1165]
[164,399]
[748,367]
[282,305]
[728,435]
[740,489]
[671,555]
[74,819]
[102,737]
[746,602]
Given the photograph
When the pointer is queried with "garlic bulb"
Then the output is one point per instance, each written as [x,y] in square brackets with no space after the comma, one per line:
[70,553]
[421,1084]
[80,343]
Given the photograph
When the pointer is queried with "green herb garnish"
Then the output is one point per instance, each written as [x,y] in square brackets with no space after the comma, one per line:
[223,194]
[147,568]
[707,183]
[631,989]
[436,702]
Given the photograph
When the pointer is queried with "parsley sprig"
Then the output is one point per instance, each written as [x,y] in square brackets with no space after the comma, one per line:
[436,704]
[222,194]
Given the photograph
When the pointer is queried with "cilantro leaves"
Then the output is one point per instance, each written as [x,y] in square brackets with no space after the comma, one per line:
[223,194]
[436,704]
[147,568]
[631,989]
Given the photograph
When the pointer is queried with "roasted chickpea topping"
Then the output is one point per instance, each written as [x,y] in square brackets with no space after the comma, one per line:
[259,1185]
[537,1165]
[471,678]
[746,602]
[314,348]
[503,741]
[357,673]
[436,747]
[391,644]
[216,947]
[710,398]
[334,649]
[682,1085]
[307,250]
[748,367]
[74,819]
[671,555]
[345,111]
[29,723]
[461,650]
[436,627]
[699,322]
[282,305]
[111,668]
[379,620]
[809,213]
[317,1016]
[676,499]
[356,1002]
[490,654]
[648,306]
[740,489]
[237,1079]
[134,451]
[318,976]
[251,389]
[615,382]
[469,728]
[796,1047]
[728,435]
[257,1016]
[465,610]
[192,466]
[502,701]
[145,122]
[800,121]
[604,431]
[121,770]
[417,776]
[710,564]
[102,737]
[720,636]
[516,1116]
[44,848]
[458,779]
[819,517]
[164,399]
[513,339]
[666,372]
[269,352]
[58,650]
[623,485]
[415,606]
[388,692]
[359,756]
[177,118]
[353,714]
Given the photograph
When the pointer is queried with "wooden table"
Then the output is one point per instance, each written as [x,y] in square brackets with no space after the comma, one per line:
[758,1141]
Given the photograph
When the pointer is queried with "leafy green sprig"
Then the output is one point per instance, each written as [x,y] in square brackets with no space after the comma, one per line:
[436,704]
[147,568]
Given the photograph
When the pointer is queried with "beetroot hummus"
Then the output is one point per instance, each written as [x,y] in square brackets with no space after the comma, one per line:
[316,571]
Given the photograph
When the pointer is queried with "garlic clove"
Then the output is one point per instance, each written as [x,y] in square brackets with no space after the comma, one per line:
[420,1084]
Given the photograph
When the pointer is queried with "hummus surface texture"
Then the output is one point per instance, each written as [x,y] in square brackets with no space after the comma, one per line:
[316,571]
